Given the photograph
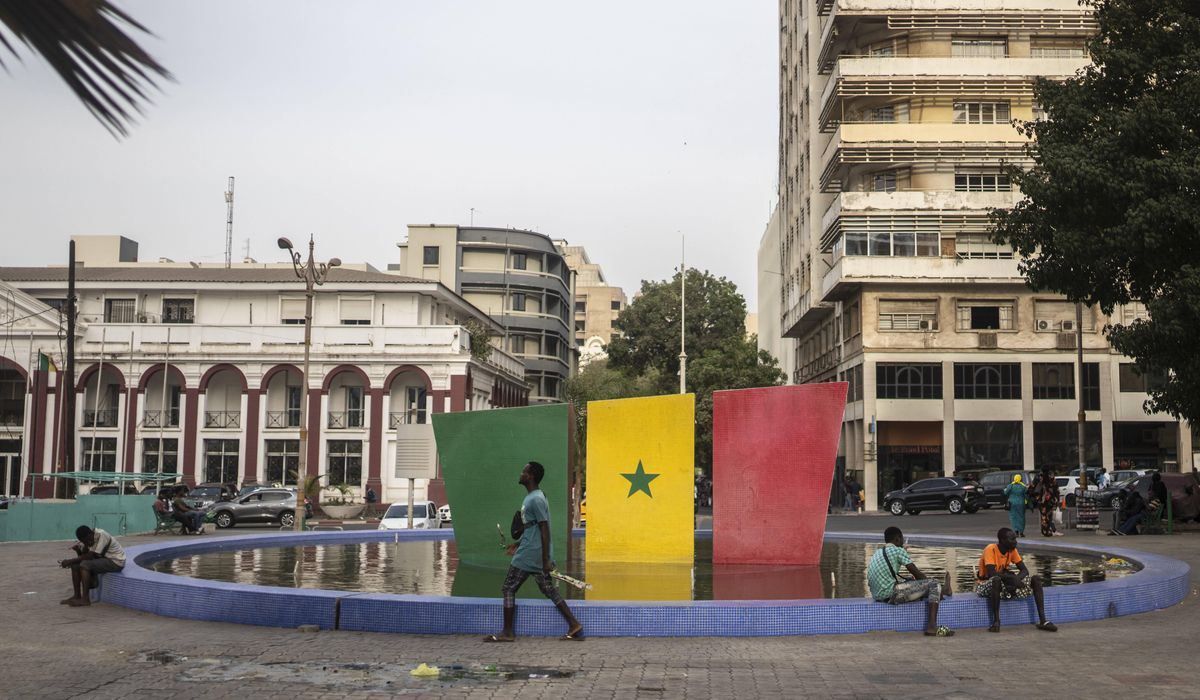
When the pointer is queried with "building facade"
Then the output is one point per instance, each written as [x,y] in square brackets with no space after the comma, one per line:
[895,121]
[597,304]
[520,279]
[197,370]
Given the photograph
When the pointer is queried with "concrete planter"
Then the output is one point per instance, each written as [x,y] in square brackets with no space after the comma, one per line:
[343,512]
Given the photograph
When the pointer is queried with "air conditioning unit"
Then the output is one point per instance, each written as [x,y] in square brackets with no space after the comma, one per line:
[1068,326]
[987,341]
[1066,341]
[925,324]
[1044,324]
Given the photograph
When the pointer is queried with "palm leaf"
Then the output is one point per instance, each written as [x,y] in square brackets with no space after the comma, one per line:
[83,42]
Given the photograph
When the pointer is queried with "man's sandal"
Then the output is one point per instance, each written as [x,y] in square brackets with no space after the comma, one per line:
[495,638]
[1047,626]
[941,631]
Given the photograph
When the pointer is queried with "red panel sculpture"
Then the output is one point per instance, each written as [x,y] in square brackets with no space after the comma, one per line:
[773,459]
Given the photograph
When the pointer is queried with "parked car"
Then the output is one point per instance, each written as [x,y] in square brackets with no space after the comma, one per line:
[251,488]
[1067,485]
[1183,488]
[113,490]
[268,505]
[1110,496]
[954,494]
[444,513]
[993,484]
[205,495]
[1118,475]
[425,517]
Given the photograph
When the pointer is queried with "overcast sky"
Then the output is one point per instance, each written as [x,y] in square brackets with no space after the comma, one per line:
[617,125]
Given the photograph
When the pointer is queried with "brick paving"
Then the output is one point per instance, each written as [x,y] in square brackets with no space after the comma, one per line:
[50,650]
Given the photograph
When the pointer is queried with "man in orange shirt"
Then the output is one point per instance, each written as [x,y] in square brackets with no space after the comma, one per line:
[996,581]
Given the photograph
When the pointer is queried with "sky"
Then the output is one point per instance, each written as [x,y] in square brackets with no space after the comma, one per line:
[620,126]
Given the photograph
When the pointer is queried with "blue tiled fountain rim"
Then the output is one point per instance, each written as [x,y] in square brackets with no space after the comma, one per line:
[1161,583]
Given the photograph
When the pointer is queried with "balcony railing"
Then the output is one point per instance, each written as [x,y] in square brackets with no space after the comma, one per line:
[222,419]
[405,418]
[161,419]
[12,418]
[100,419]
[346,420]
[283,419]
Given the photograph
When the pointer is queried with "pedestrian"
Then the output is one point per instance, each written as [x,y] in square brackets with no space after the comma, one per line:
[1102,479]
[1131,513]
[1014,493]
[850,495]
[533,555]
[1158,493]
[887,585]
[996,581]
[97,552]
[1047,501]
[371,498]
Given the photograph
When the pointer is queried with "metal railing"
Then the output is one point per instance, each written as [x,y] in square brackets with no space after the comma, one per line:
[412,417]
[100,419]
[346,420]
[222,419]
[283,419]
[161,419]
[12,419]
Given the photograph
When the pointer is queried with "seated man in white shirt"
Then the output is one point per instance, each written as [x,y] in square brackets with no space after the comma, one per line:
[99,553]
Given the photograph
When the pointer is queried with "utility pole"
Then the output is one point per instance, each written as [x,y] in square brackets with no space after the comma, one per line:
[1080,441]
[229,224]
[66,385]
[682,317]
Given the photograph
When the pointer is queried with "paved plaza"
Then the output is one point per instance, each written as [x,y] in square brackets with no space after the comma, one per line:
[51,650]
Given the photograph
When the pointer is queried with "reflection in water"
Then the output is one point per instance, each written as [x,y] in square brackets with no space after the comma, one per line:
[432,568]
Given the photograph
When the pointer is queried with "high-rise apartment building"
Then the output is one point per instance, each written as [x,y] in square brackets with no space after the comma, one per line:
[895,122]
[597,304]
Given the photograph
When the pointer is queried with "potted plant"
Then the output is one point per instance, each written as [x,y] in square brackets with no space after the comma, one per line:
[342,506]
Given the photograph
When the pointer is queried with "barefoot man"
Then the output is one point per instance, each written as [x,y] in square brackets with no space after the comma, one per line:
[98,553]
[533,556]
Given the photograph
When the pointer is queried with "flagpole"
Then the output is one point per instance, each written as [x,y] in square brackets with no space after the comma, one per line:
[682,317]
[96,403]
[130,396]
[162,413]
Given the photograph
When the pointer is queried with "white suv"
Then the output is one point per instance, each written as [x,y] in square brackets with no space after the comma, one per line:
[425,517]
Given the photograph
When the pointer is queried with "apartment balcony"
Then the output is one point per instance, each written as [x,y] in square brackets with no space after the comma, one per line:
[934,207]
[12,419]
[850,273]
[858,77]
[283,420]
[223,420]
[161,419]
[346,420]
[100,419]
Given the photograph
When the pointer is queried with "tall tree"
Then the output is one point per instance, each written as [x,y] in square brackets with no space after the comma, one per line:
[83,42]
[1111,212]
[720,354]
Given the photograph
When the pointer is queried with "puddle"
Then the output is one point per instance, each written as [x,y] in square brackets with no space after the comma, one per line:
[392,678]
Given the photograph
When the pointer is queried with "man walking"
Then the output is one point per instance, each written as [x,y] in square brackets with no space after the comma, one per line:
[883,578]
[533,555]
[97,553]
[996,582]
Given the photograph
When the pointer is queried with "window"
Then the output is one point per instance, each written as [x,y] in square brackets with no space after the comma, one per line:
[1053,380]
[552,346]
[54,303]
[517,344]
[991,381]
[431,254]
[985,46]
[981,182]
[887,114]
[221,461]
[908,315]
[615,305]
[884,181]
[354,407]
[1091,386]
[291,311]
[1055,444]
[580,307]
[179,311]
[981,113]
[984,315]
[579,326]
[980,246]
[519,261]
[1133,311]
[550,387]
[119,311]
[1057,47]
[1054,315]
[899,244]
[99,454]
[988,444]
[1134,382]
[518,302]
[283,461]
[850,321]
[1039,113]
[355,312]
[344,462]
[169,458]
[293,407]
[895,380]
[414,404]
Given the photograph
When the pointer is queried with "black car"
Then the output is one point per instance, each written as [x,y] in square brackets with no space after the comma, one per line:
[954,494]
[994,483]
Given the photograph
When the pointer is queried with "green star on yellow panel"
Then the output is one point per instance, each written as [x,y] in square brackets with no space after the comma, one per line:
[640,480]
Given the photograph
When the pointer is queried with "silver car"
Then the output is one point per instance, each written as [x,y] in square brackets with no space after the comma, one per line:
[261,506]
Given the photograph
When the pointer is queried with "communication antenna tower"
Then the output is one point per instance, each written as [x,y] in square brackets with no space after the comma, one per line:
[229,224]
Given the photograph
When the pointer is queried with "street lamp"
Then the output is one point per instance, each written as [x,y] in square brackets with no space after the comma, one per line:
[313,273]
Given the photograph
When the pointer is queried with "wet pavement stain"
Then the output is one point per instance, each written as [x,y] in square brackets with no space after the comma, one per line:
[393,678]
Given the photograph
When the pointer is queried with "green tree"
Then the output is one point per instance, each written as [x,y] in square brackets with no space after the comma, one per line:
[84,43]
[720,354]
[1111,212]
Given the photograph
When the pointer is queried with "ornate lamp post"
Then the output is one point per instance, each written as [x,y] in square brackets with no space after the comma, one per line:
[313,274]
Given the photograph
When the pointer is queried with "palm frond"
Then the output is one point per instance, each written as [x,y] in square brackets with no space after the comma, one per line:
[83,42]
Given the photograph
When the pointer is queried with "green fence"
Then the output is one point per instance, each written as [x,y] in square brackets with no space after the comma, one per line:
[26,521]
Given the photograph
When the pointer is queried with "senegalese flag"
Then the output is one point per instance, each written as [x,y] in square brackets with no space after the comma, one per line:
[46,363]
[640,479]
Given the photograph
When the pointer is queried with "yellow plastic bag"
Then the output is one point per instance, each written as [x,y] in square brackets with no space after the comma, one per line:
[424,671]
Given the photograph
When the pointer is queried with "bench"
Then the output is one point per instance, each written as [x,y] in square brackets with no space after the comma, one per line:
[1155,523]
[165,523]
